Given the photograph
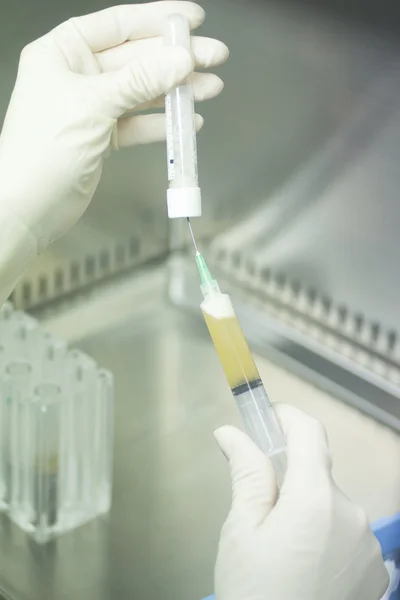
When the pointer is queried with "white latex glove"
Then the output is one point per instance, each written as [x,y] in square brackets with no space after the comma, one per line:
[310,544]
[74,87]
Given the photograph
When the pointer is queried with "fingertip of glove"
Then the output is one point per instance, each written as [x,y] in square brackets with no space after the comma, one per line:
[290,416]
[223,437]
[183,57]
[199,121]
[177,61]
[191,10]
[230,440]
[198,14]
[306,436]
[219,434]
[216,87]
[223,431]
[221,53]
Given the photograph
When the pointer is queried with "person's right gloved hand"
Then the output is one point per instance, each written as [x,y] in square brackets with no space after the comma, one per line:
[311,542]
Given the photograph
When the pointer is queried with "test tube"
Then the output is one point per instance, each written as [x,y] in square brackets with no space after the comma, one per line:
[20,344]
[103,438]
[46,409]
[6,312]
[79,433]
[16,436]
[52,367]
[184,194]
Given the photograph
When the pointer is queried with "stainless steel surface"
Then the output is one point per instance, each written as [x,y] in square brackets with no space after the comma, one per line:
[171,486]
[340,233]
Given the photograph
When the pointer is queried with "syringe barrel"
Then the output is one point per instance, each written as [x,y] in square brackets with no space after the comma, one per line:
[255,409]
[261,424]
[184,195]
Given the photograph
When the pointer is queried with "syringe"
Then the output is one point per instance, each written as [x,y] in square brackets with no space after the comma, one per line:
[240,369]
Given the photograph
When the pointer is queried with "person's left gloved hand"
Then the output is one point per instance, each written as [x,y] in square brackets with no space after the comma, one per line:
[69,107]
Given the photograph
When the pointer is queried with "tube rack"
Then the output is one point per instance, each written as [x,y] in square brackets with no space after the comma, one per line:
[56,429]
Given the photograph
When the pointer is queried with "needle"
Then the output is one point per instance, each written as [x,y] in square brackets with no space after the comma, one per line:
[191,233]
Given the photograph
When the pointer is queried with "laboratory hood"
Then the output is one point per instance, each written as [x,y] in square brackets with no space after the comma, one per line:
[299,168]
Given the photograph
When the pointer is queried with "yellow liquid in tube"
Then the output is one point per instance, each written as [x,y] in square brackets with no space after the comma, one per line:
[229,341]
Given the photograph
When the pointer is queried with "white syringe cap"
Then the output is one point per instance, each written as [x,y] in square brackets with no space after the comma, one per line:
[184,202]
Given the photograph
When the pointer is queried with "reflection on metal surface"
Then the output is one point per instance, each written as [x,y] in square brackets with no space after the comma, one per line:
[81,266]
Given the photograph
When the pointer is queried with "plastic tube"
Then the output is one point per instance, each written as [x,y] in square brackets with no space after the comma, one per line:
[184,194]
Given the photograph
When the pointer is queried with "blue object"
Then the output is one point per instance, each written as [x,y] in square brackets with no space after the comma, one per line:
[387,532]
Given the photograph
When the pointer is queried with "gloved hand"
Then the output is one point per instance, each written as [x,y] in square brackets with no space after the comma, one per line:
[74,87]
[311,543]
